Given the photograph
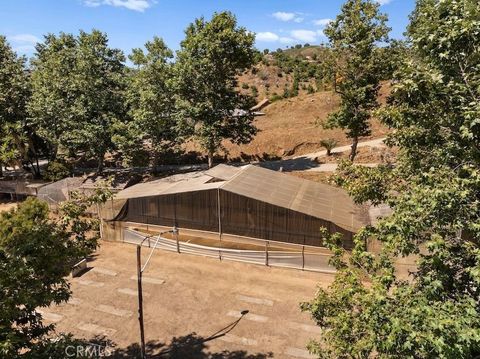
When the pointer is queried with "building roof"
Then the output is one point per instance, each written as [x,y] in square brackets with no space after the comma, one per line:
[276,188]
[312,198]
[119,180]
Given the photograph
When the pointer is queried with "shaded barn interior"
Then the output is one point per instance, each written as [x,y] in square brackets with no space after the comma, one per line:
[245,201]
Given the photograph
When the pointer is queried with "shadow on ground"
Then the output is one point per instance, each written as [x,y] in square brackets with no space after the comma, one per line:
[287,165]
[191,346]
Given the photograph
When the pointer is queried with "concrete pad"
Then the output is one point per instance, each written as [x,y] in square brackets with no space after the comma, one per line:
[104,271]
[230,338]
[248,316]
[51,317]
[74,301]
[149,280]
[299,353]
[96,329]
[114,311]
[131,292]
[128,291]
[90,283]
[306,327]
[254,300]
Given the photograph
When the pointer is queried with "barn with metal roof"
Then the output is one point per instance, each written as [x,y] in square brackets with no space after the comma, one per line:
[244,201]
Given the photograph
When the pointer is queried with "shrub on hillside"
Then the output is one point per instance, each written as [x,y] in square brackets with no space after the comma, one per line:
[329,145]
[55,171]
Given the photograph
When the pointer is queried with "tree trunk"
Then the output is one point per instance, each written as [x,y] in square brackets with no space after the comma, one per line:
[210,159]
[39,174]
[101,159]
[1,169]
[353,153]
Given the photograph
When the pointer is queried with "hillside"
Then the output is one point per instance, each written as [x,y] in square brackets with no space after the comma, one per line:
[289,127]
[286,73]
[296,82]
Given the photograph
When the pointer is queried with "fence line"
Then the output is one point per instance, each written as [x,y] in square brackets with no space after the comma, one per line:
[298,260]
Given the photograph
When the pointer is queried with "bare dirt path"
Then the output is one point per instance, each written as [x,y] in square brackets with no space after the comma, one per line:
[378,142]
[308,162]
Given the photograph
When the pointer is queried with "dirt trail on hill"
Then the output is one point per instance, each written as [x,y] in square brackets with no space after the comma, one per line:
[308,162]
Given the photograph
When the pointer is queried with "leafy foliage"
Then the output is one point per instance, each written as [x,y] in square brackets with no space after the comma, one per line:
[18,143]
[211,57]
[434,192]
[353,36]
[329,144]
[77,93]
[151,99]
[36,255]
[56,171]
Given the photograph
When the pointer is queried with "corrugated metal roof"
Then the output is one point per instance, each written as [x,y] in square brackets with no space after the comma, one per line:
[276,188]
[196,181]
[223,172]
[312,198]
[119,182]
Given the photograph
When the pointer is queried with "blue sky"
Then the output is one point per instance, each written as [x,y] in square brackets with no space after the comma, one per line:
[130,23]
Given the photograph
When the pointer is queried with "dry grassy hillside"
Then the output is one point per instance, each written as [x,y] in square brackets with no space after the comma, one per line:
[270,81]
[289,127]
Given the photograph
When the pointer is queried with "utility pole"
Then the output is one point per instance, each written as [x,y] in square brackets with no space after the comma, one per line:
[140,270]
[140,301]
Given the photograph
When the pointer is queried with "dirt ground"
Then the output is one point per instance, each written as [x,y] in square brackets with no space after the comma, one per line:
[192,306]
[322,177]
[6,205]
[365,154]
[293,127]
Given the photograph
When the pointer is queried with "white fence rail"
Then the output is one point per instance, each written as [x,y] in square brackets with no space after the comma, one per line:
[302,259]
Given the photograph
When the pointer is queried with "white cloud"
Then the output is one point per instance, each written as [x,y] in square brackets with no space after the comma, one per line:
[24,39]
[304,35]
[23,43]
[284,16]
[286,40]
[384,2]
[287,16]
[322,22]
[293,36]
[267,36]
[24,49]
[136,5]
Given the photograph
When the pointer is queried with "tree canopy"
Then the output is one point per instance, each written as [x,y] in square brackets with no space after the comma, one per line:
[36,256]
[211,56]
[434,192]
[151,99]
[18,143]
[77,93]
[353,36]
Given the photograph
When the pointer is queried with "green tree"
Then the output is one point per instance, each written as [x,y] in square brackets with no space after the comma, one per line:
[434,192]
[151,99]
[353,36]
[211,57]
[392,57]
[36,255]
[78,88]
[18,143]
